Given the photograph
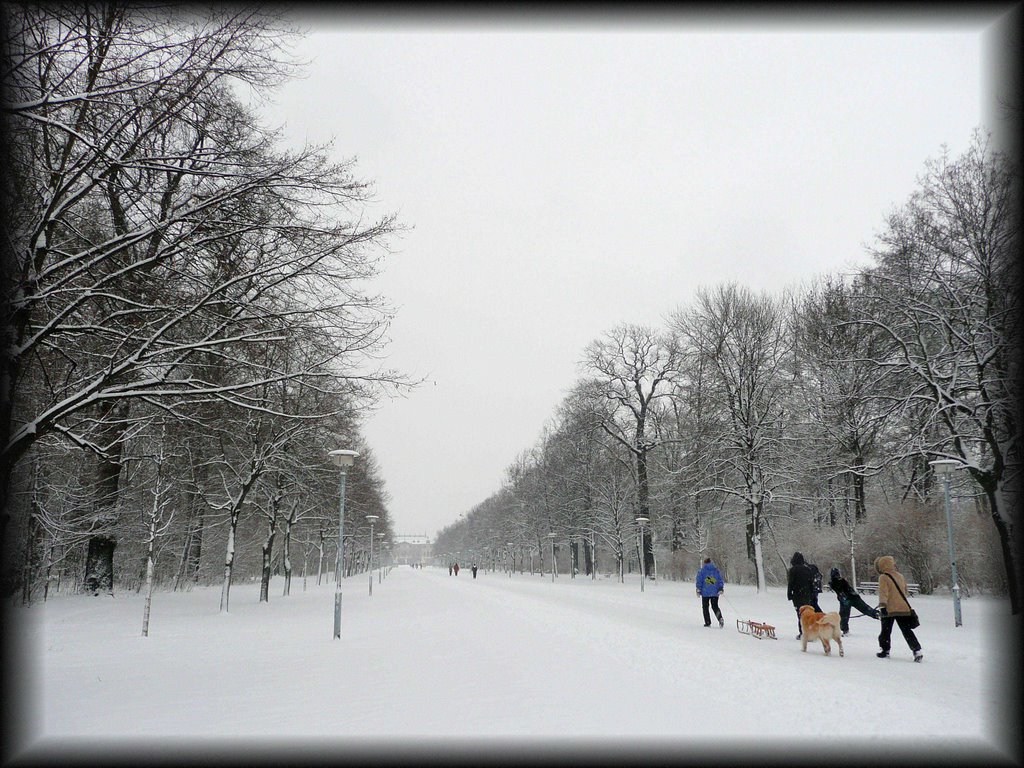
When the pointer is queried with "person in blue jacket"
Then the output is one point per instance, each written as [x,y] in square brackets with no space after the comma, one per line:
[710,585]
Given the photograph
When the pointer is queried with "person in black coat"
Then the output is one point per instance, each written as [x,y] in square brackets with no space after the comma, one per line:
[848,598]
[800,588]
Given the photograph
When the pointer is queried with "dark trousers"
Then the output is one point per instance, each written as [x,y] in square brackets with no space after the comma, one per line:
[904,625]
[844,617]
[854,601]
[713,602]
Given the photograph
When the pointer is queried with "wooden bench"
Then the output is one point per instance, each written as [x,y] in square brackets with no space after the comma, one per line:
[872,587]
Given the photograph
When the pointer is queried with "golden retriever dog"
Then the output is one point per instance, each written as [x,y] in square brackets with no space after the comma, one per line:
[820,626]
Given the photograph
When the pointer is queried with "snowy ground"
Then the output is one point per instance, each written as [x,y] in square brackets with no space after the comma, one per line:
[433,662]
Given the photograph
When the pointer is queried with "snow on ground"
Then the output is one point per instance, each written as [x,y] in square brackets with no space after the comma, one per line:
[435,659]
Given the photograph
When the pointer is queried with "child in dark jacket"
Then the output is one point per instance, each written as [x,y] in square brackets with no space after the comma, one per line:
[848,598]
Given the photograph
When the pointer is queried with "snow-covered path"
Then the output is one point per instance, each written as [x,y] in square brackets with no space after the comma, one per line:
[433,656]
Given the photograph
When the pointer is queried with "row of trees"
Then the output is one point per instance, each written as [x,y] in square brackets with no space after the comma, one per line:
[187,327]
[768,417]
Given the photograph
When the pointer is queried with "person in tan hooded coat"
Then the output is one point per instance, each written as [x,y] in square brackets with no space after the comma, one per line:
[893,607]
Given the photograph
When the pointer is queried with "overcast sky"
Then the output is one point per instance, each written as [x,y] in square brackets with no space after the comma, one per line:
[560,178]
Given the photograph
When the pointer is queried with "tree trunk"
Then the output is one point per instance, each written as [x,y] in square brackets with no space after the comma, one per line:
[99,563]
[11,336]
[268,544]
[320,558]
[195,549]
[677,529]
[286,559]
[49,567]
[268,547]
[30,539]
[179,575]
[1010,564]
[305,557]
[229,560]
[150,568]
[860,506]
[287,565]
[192,549]
[755,511]
[643,503]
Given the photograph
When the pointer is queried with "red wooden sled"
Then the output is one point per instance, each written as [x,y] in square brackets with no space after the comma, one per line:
[756,628]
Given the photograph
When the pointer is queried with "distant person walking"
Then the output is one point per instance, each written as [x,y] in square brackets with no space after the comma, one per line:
[848,598]
[800,588]
[894,608]
[456,566]
[473,568]
[450,569]
[710,585]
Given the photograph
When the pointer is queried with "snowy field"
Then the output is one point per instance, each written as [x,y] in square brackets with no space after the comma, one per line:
[502,668]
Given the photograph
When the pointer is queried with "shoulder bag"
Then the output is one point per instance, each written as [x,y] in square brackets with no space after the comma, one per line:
[915,620]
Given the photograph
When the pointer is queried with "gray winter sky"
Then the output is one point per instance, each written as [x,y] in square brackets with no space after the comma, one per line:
[561,174]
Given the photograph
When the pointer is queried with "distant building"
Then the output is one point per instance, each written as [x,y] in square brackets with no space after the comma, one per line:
[407,549]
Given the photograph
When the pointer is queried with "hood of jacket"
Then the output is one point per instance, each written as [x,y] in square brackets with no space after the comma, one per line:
[797,559]
[885,564]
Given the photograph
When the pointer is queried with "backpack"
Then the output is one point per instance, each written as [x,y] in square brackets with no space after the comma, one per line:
[815,577]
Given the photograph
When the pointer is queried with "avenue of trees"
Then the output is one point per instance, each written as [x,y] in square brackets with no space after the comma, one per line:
[187,327]
[751,425]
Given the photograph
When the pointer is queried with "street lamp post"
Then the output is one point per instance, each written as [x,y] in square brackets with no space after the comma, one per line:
[944,468]
[372,519]
[642,521]
[380,566]
[551,536]
[342,459]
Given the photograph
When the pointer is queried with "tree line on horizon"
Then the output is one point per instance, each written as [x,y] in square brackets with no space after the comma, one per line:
[752,424]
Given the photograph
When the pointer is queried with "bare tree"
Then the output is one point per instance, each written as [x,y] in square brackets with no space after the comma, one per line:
[157,522]
[836,382]
[634,367]
[157,238]
[744,338]
[944,294]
